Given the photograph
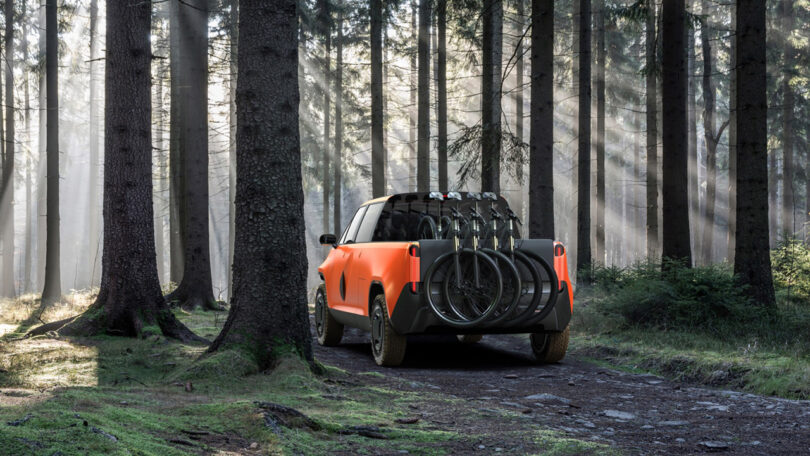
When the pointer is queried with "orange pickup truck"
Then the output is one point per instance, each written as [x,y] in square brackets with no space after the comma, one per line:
[433,263]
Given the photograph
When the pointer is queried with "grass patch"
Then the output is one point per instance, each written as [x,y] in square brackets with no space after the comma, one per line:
[695,325]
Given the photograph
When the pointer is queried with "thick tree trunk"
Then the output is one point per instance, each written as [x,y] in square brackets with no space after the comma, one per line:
[441,92]
[731,236]
[651,72]
[492,17]
[752,263]
[94,228]
[52,291]
[676,244]
[377,152]
[42,154]
[129,301]
[196,287]
[270,265]
[584,140]
[541,160]
[788,203]
[325,30]
[337,181]
[600,132]
[423,99]
[7,189]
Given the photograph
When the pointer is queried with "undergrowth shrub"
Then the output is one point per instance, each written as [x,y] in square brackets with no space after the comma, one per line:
[790,262]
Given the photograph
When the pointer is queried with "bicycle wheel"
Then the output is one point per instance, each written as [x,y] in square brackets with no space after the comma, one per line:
[536,316]
[512,287]
[484,299]
[530,280]
[426,228]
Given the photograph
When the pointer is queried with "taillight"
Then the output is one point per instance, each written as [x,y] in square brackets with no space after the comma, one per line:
[413,259]
[559,250]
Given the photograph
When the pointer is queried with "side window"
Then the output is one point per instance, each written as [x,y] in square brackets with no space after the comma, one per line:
[351,231]
[369,222]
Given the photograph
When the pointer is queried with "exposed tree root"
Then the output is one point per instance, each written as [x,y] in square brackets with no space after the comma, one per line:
[189,299]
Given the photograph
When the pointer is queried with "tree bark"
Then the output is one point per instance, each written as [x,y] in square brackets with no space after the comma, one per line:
[196,287]
[7,189]
[52,291]
[42,233]
[651,72]
[676,244]
[28,285]
[412,107]
[600,131]
[337,181]
[788,102]
[129,301]
[752,263]
[233,35]
[520,28]
[377,152]
[270,265]
[694,155]
[162,175]
[541,160]
[441,92]
[584,260]
[732,141]
[423,99]
[176,130]
[492,17]
[325,30]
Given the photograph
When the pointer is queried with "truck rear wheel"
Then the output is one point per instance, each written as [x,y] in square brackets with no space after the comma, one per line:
[388,346]
[328,329]
[550,347]
[469,338]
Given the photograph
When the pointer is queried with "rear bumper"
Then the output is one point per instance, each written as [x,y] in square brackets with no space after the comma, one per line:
[412,315]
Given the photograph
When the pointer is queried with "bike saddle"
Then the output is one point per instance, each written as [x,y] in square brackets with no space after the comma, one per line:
[436,196]
[474,195]
[490,196]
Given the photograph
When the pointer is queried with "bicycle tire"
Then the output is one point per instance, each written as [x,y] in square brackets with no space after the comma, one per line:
[553,288]
[426,226]
[515,284]
[435,308]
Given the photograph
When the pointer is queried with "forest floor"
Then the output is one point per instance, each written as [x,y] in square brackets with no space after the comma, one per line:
[108,395]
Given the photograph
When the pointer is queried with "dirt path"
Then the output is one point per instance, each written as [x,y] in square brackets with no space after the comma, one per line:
[639,414]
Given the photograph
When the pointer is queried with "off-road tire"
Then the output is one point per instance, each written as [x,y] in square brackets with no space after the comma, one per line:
[550,347]
[469,338]
[387,346]
[328,330]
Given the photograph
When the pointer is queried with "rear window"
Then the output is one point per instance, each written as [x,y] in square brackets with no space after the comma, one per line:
[364,234]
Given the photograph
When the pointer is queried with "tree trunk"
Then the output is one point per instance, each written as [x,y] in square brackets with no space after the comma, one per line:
[711,138]
[423,100]
[676,243]
[338,125]
[233,35]
[731,237]
[441,92]
[651,72]
[788,204]
[492,17]
[377,153]
[27,284]
[177,204]
[42,153]
[541,160]
[325,30]
[7,189]
[412,108]
[52,291]
[638,226]
[694,155]
[129,301]
[163,168]
[584,140]
[270,262]
[600,131]
[773,200]
[196,287]
[752,263]
[94,205]
[520,28]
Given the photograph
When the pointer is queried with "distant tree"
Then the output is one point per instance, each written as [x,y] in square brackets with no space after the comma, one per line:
[30,223]
[541,160]
[191,86]
[338,166]
[691,112]
[377,131]
[651,93]
[42,190]
[492,42]
[423,99]
[441,90]
[129,301]
[752,262]
[519,32]
[52,291]
[600,131]
[676,243]
[7,186]
[731,241]
[325,32]
[94,204]
[584,260]
[233,38]
[412,106]
[788,105]
[177,196]
[269,303]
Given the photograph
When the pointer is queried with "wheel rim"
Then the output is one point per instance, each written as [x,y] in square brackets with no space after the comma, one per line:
[377,330]
[320,310]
